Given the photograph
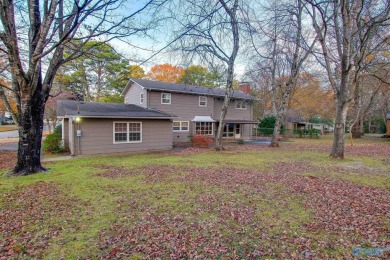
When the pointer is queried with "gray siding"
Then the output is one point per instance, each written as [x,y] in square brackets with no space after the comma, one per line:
[246,131]
[97,136]
[182,105]
[236,114]
[185,106]
[134,93]
[233,113]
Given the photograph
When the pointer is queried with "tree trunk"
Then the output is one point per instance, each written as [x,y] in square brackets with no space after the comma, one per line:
[276,133]
[48,125]
[356,130]
[280,113]
[30,134]
[218,141]
[339,131]
[361,127]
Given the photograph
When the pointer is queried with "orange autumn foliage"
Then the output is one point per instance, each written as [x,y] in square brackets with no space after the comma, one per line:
[166,73]
[312,100]
[10,98]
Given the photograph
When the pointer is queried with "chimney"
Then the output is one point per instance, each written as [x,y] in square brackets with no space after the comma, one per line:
[244,87]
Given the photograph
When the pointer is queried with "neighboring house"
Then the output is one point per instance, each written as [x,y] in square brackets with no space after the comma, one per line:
[93,128]
[198,108]
[295,121]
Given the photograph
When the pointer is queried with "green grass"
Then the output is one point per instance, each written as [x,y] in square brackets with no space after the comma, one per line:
[102,202]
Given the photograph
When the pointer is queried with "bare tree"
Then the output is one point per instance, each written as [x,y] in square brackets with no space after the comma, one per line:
[34,32]
[346,30]
[284,51]
[210,32]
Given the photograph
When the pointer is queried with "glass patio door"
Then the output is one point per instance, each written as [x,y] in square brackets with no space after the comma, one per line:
[237,131]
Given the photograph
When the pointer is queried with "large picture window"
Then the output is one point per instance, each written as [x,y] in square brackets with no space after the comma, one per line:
[127,132]
[180,126]
[204,128]
[165,98]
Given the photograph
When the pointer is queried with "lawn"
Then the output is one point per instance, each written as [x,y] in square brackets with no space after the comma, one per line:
[5,128]
[246,202]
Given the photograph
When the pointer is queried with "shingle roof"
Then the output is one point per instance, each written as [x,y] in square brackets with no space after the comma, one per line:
[190,89]
[68,108]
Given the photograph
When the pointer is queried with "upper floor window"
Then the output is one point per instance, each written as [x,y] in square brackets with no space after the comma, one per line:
[165,98]
[126,100]
[202,101]
[240,104]
[141,98]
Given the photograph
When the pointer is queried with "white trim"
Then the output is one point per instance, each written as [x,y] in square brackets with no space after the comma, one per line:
[71,136]
[205,105]
[62,132]
[202,119]
[141,98]
[127,132]
[197,93]
[188,126]
[212,128]
[122,117]
[170,98]
[243,103]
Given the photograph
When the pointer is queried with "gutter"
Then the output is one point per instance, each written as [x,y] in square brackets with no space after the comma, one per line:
[117,117]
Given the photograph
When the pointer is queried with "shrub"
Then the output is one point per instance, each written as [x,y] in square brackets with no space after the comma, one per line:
[58,129]
[266,126]
[201,141]
[52,143]
[267,122]
[311,133]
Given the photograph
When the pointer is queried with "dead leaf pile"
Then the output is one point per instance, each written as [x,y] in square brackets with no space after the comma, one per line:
[7,160]
[113,172]
[188,151]
[26,216]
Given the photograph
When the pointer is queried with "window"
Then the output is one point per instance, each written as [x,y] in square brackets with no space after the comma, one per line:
[202,101]
[204,128]
[228,130]
[180,126]
[127,132]
[165,98]
[141,98]
[126,100]
[240,104]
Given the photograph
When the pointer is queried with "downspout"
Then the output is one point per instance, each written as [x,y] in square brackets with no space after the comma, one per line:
[63,132]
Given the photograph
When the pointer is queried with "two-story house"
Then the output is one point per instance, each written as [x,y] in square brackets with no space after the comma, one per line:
[154,116]
[198,109]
